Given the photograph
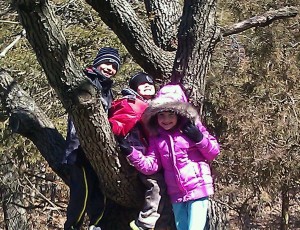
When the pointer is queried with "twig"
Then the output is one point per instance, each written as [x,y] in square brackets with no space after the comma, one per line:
[10,22]
[49,201]
[6,49]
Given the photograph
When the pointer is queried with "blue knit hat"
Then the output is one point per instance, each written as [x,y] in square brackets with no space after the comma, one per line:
[107,54]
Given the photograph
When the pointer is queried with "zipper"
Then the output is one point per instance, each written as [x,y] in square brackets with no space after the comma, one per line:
[177,173]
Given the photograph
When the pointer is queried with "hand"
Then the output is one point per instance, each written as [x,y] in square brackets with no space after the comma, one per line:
[124,145]
[192,132]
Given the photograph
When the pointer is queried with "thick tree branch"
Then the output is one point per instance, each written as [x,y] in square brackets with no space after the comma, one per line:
[197,37]
[261,20]
[29,121]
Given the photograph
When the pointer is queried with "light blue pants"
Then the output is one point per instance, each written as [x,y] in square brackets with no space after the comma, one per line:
[191,215]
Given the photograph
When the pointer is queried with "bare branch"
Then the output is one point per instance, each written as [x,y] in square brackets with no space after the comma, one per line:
[56,208]
[9,22]
[260,21]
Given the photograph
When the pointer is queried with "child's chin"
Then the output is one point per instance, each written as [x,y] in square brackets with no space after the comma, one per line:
[168,128]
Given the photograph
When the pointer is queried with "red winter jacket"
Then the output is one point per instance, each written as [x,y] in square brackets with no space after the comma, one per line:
[125,113]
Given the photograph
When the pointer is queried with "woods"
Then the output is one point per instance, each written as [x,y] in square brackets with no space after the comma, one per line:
[183,54]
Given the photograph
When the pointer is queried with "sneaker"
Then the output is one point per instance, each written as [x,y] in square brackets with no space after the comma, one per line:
[133,226]
[93,227]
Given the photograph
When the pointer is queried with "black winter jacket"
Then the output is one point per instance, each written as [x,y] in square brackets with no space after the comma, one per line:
[104,85]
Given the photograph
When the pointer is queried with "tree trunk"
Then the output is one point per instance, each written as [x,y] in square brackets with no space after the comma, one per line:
[15,216]
[285,207]
[80,98]
[197,37]
[217,216]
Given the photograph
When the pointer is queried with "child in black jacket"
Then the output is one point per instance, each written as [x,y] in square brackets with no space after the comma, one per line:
[85,193]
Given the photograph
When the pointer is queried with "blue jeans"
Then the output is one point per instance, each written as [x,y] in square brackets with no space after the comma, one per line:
[191,215]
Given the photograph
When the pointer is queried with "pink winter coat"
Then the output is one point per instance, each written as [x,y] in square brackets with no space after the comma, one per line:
[185,163]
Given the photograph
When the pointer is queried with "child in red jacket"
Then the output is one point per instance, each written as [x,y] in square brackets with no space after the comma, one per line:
[124,117]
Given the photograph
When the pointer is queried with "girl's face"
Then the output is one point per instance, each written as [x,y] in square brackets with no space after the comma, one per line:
[146,90]
[167,120]
[107,69]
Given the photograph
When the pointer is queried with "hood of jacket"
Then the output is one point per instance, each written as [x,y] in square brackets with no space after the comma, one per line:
[169,98]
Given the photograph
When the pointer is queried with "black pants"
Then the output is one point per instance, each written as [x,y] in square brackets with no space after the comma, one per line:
[85,196]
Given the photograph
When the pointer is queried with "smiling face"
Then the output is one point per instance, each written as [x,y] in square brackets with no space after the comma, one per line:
[146,90]
[107,69]
[167,120]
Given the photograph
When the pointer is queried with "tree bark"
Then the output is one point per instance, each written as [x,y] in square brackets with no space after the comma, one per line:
[197,37]
[15,217]
[285,199]
[164,16]
[217,218]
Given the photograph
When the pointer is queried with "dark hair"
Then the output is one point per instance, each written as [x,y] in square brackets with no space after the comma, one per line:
[153,122]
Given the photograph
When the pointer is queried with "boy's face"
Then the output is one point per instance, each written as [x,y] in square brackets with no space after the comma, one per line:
[167,120]
[107,69]
[146,90]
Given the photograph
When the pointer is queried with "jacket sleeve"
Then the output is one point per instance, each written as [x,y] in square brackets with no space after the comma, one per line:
[208,146]
[72,141]
[121,124]
[147,164]
[124,114]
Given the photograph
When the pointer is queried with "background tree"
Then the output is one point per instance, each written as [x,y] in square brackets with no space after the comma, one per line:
[185,58]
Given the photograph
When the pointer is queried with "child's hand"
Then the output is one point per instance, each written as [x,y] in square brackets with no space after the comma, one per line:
[124,145]
[192,132]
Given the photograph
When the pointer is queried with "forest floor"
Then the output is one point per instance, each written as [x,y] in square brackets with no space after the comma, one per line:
[267,218]
[53,216]
[49,204]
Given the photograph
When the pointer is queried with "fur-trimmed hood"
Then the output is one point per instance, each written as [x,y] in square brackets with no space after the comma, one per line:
[169,98]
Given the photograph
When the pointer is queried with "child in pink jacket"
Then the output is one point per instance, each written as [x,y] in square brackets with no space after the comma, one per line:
[182,146]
